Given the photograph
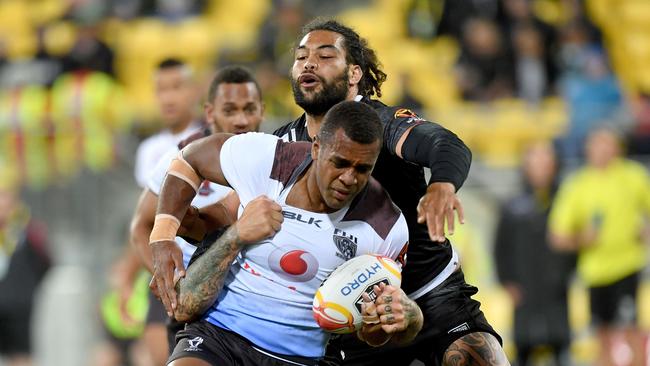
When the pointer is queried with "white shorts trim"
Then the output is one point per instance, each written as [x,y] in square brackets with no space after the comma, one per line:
[452,266]
[278,357]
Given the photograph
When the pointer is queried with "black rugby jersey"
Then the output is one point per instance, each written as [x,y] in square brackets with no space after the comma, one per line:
[406,184]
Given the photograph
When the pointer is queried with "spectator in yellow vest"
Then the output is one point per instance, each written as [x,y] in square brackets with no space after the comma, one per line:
[600,212]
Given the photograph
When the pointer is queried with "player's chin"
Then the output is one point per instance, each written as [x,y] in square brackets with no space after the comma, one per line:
[310,92]
[336,204]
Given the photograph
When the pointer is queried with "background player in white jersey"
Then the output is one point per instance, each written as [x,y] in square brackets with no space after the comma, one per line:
[176,94]
[262,316]
[234,105]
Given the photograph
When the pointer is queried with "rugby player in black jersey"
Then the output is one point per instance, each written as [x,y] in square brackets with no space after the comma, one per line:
[333,63]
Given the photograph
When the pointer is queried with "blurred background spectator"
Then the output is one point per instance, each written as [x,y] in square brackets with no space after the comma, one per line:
[24,260]
[535,276]
[601,212]
[484,69]
[75,101]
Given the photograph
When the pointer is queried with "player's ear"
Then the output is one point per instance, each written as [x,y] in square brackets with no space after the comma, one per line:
[315,147]
[262,108]
[355,74]
[208,109]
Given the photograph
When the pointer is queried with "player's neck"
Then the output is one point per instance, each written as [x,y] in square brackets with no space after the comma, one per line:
[313,124]
[181,126]
[305,194]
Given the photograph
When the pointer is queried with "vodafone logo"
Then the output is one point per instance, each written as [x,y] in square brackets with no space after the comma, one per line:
[293,264]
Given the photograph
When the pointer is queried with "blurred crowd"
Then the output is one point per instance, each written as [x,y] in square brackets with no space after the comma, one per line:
[75,75]
[525,83]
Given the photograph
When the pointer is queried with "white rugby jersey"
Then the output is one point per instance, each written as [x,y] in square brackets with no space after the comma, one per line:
[268,293]
[153,147]
[208,194]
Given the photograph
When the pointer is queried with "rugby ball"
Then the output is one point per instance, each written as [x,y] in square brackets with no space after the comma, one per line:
[337,303]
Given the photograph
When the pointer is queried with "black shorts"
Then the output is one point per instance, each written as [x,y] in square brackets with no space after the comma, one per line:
[14,334]
[156,314]
[615,304]
[449,313]
[221,347]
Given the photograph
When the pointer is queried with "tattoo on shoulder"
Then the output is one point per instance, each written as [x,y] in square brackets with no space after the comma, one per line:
[476,349]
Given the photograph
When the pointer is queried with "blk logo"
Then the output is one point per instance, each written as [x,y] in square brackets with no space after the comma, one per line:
[300,218]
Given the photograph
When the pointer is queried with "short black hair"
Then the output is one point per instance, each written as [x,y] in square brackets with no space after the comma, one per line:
[169,63]
[358,121]
[357,53]
[233,74]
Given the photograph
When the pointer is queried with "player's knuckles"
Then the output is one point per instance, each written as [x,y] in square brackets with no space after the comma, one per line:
[390,290]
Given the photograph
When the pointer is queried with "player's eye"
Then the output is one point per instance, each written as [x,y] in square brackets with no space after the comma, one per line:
[363,169]
[341,164]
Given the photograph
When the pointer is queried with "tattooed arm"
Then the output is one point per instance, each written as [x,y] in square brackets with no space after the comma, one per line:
[204,279]
[199,289]
[475,349]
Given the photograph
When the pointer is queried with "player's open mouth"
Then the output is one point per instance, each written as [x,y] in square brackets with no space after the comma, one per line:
[308,80]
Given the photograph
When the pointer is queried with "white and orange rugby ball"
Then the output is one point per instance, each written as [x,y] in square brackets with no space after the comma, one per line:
[337,303]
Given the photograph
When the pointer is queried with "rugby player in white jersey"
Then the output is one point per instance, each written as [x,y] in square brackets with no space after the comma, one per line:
[257,311]
[176,96]
[234,105]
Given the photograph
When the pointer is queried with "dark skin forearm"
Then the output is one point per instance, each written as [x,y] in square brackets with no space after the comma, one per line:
[141,225]
[205,278]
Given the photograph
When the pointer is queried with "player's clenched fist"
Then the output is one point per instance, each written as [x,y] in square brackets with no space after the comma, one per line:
[262,218]
[392,309]
[167,269]
[371,331]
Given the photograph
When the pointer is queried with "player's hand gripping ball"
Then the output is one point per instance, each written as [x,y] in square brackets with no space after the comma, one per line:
[337,303]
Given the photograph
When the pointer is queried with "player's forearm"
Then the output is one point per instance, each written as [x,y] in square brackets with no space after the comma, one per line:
[128,265]
[433,146]
[139,240]
[205,278]
[175,197]
[415,318]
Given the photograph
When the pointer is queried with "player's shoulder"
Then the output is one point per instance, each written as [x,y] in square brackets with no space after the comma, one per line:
[288,156]
[193,137]
[391,113]
[292,131]
[155,142]
[374,206]
[284,129]
[150,141]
